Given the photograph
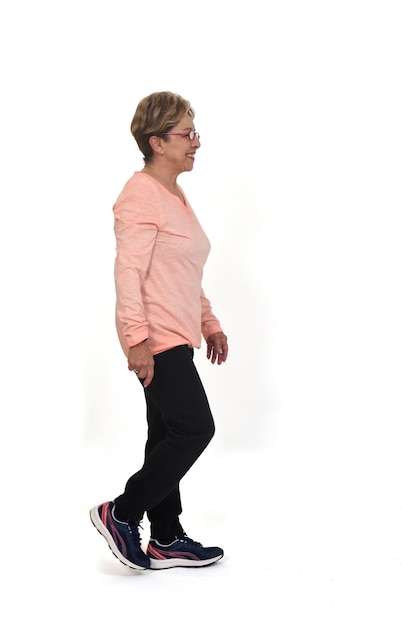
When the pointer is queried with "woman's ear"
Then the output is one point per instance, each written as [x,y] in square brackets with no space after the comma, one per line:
[156,144]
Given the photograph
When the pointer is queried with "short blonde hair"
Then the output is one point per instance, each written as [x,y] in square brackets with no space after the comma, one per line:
[157,114]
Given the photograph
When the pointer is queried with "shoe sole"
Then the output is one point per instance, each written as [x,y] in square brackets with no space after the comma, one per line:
[168,563]
[101,528]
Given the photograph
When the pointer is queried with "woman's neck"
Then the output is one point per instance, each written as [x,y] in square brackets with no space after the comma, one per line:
[166,179]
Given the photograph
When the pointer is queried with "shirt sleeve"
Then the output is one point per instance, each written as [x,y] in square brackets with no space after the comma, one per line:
[136,218]
[209,323]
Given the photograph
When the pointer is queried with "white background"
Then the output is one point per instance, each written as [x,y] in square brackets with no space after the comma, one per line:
[298,186]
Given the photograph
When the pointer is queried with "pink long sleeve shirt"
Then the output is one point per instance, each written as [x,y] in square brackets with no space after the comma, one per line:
[161,250]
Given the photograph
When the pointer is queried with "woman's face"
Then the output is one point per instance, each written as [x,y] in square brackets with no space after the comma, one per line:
[179,149]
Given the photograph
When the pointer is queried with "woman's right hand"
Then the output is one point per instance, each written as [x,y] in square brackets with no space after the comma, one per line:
[141,362]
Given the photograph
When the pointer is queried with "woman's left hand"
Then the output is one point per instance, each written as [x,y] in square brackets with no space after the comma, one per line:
[217,348]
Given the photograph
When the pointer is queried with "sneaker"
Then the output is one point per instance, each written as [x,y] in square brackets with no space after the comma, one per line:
[123,537]
[183,552]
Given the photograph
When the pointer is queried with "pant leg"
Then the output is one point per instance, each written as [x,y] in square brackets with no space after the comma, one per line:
[178,394]
[164,517]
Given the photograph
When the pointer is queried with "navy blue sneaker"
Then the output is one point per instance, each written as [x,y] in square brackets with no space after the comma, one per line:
[123,537]
[183,552]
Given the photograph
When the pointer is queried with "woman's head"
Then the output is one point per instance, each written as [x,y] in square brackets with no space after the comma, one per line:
[156,115]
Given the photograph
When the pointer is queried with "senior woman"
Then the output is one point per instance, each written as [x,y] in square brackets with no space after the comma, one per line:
[162,314]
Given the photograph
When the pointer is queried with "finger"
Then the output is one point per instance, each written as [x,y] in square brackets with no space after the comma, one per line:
[224,354]
[214,355]
[221,357]
[148,377]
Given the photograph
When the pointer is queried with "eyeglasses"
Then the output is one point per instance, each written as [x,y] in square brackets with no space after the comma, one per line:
[191,135]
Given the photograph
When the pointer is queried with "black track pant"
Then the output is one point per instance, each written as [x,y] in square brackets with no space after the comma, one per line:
[180,426]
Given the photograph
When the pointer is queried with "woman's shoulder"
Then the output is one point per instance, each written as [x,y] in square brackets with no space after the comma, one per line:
[139,195]
[137,186]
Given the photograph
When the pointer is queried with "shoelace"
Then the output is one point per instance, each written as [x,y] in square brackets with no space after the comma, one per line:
[134,530]
[186,539]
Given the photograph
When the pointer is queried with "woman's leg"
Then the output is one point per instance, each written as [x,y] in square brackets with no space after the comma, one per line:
[164,517]
[178,395]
